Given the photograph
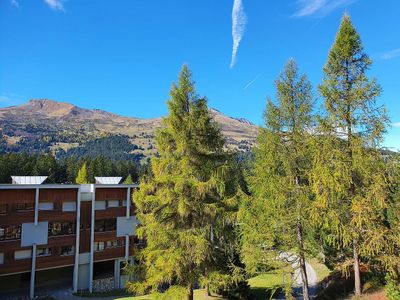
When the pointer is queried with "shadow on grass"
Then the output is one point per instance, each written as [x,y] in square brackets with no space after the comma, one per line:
[259,293]
[111,293]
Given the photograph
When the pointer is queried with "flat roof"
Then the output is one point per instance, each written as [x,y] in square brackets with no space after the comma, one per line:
[61,186]
[41,186]
[108,180]
[28,179]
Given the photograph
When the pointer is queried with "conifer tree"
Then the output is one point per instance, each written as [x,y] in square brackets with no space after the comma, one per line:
[128,180]
[348,174]
[276,217]
[390,257]
[183,207]
[82,177]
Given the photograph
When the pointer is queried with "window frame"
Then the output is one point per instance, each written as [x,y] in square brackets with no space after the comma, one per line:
[62,228]
[10,230]
[28,206]
[49,252]
[5,211]
[72,252]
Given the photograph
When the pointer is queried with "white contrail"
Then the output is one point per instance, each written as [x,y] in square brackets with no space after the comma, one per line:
[319,7]
[238,27]
[251,82]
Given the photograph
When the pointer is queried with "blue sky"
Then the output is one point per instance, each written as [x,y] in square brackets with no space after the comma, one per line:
[123,55]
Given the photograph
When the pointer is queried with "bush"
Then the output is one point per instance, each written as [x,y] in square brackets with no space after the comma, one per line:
[392,288]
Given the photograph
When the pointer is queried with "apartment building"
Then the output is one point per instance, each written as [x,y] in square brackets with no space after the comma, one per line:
[65,235]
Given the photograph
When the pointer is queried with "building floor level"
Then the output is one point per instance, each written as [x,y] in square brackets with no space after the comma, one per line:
[65,235]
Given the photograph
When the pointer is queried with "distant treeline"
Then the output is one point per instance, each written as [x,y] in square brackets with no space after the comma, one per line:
[114,147]
[65,170]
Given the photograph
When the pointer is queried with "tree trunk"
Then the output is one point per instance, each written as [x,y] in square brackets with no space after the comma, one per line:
[207,293]
[190,291]
[357,277]
[302,261]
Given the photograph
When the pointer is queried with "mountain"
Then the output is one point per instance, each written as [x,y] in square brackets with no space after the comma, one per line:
[43,125]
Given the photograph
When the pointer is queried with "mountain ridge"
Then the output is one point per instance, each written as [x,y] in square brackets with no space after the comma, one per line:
[43,124]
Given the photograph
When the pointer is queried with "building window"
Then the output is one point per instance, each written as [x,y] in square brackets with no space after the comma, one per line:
[61,228]
[3,209]
[123,202]
[100,205]
[1,258]
[22,254]
[46,205]
[112,203]
[12,232]
[105,225]
[27,206]
[69,206]
[43,252]
[67,250]
[110,224]
[112,244]
[98,246]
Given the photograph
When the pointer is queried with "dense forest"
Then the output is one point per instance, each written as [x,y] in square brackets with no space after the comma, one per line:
[114,147]
[66,170]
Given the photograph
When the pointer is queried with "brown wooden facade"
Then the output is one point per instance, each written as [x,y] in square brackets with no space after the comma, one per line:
[12,197]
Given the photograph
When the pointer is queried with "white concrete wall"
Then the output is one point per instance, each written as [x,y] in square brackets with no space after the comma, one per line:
[83,277]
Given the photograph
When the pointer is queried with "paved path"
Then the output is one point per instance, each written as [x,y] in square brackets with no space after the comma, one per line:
[312,281]
[297,286]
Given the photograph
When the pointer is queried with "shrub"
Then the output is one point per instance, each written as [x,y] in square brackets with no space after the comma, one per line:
[392,288]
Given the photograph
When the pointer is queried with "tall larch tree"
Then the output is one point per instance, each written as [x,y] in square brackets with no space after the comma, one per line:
[184,207]
[275,220]
[391,259]
[82,177]
[348,174]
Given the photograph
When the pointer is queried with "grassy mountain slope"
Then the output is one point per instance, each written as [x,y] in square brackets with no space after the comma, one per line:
[42,125]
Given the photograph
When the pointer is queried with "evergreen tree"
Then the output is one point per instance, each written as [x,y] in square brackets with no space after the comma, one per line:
[348,174]
[184,206]
[45,165]
[82,177]
[128,180]
[391,259]
[275,219]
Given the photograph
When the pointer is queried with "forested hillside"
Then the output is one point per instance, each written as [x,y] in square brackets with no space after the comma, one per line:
[46,126]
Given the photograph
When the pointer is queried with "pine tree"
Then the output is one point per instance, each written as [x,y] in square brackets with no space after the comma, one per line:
[276,215]
[348,175]
[128,179]
[82,177]
[183,207]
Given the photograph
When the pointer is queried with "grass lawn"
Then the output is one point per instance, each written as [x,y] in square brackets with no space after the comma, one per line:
[321,270]
[198,295]
[262,286]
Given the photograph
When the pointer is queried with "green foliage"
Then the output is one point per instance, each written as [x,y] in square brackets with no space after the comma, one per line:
[114,147]
[128,180]
[26,165]
[82,177]
[275,218]
[65,170]
[392,288]
[348,172]
[186,206]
